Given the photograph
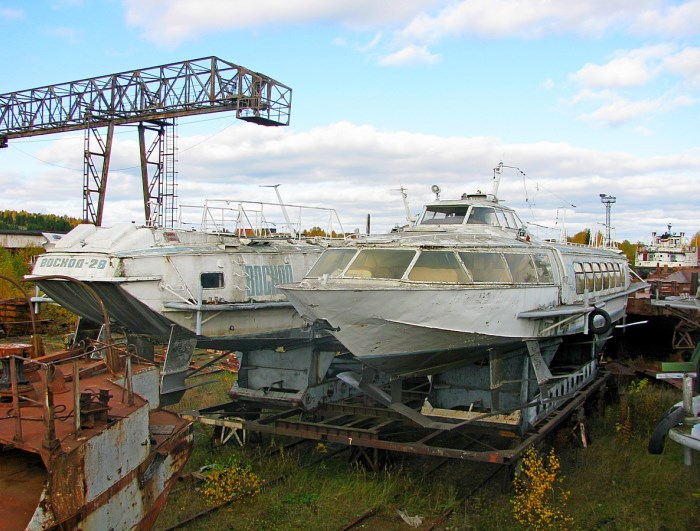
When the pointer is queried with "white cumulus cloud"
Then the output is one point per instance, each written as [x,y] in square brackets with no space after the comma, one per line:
[178,20]
[357,168]
[410,55]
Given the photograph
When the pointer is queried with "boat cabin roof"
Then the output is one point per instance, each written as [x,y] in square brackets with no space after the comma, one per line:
[470,210]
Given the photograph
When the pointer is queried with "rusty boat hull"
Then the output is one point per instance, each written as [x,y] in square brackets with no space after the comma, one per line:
[86,446]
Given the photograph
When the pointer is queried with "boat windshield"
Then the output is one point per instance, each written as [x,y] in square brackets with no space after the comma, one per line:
[493,216]
[482,216]
[448,266]
[512,219]
[444,214]
[486,267]
[544,268]
[474,215]
[522,268]
[438,266]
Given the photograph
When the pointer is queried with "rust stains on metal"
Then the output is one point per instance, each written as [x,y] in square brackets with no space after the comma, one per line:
[67,483]
[103,456]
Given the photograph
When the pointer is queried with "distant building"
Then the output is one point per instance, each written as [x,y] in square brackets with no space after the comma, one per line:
[18,239]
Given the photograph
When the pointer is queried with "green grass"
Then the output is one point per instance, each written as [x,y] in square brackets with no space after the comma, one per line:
[325,496]
[613,484]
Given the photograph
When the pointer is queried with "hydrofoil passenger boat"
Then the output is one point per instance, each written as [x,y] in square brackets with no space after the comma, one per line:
[209,282]
[468,297]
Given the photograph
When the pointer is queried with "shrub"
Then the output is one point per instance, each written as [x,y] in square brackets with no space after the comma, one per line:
[539,499]
[227,482]
[641,405]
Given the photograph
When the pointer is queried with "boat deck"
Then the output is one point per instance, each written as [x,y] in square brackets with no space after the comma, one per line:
[99,395]
[47,440]
[22,480]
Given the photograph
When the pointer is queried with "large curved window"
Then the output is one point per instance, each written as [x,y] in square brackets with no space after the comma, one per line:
[597,276]
[331,262]
[482,216]
[438,266]
[513,221]
[607,272]
[448,266]
[619,279]
[580,278]
[380,263]
[486,267]
[544,268]
[521,268]
[590,282]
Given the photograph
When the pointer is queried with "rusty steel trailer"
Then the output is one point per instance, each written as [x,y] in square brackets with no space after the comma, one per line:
[371,430]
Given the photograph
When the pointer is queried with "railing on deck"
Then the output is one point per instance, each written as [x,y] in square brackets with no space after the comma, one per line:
[17,381]
[262,220]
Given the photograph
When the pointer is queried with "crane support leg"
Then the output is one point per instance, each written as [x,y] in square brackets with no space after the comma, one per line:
[94,179]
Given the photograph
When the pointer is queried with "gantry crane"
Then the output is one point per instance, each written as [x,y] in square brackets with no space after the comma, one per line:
[152,98]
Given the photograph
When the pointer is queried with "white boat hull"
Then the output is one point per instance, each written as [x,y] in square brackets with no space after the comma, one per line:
[150,284]
[409,331]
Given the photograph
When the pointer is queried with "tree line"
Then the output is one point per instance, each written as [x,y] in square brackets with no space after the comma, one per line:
[23,220]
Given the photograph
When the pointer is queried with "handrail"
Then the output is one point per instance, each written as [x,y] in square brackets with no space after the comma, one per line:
[49,441]
[251,218]
[111,361]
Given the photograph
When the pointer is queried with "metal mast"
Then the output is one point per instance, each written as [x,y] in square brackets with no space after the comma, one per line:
[152,98]
[608,201]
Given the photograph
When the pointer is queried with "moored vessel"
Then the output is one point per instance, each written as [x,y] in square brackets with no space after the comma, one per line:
[210,282]
[666,251]
[85,442]
[467,288]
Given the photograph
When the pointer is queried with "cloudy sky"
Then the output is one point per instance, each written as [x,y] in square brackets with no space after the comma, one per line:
[579,98]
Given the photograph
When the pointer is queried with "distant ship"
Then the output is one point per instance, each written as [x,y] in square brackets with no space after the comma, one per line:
[668,250]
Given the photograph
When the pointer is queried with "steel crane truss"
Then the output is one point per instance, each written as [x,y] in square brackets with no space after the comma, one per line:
[179,89]
[154,96]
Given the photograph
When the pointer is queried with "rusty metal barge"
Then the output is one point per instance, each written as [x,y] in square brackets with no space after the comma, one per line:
[85,444]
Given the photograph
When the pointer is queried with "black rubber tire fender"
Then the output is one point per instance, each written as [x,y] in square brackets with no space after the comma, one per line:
[673,417]
[607,325]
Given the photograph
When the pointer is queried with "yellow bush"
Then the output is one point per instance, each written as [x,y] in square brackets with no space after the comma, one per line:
[224,483]
[641,405]
[539,500]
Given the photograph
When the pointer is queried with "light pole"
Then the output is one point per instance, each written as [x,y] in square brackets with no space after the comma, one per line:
[608,201]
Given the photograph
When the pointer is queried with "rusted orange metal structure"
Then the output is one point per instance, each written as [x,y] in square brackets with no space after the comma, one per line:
[85,444]
[83,447]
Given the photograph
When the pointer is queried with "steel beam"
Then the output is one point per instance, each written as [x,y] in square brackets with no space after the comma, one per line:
[157,95]
[174,90]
